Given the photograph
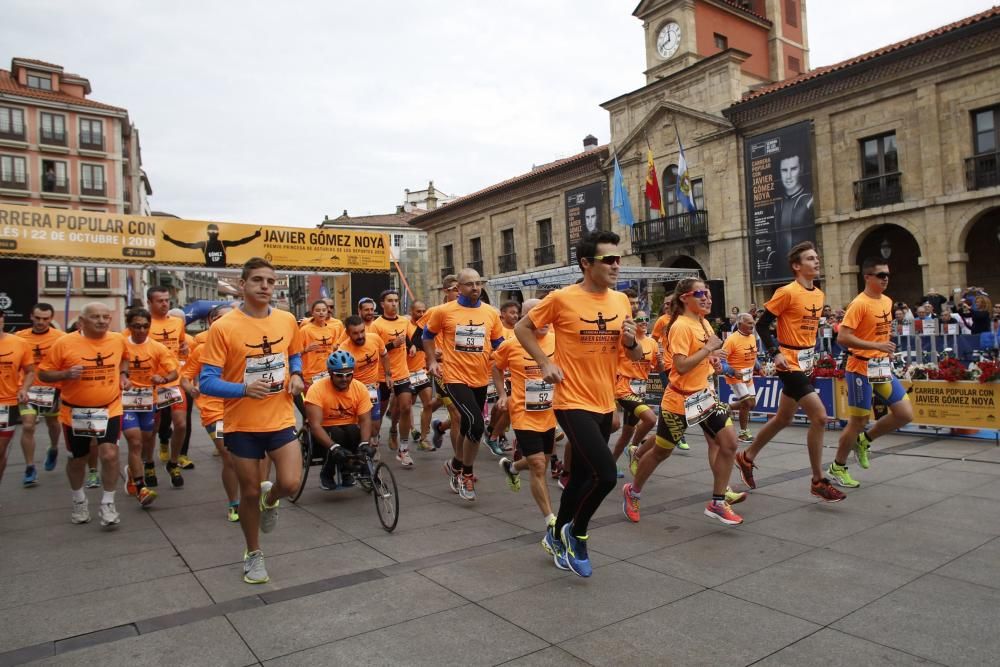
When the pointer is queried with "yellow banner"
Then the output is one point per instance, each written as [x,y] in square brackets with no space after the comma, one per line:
[949,404]
[46,233]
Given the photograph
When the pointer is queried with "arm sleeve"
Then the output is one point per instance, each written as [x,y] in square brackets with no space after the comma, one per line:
[295,363]
[210,382]
[428,334]
[763,328]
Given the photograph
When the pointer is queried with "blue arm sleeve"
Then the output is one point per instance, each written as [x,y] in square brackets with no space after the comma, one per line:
[727,369]
[428,334]
[210,382]
[295,363]
[496,342]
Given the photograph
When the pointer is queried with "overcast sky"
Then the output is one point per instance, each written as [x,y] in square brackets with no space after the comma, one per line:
[281,112]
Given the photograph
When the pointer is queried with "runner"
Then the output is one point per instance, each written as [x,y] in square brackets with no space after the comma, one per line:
[338,409]
[43,398]
[740,350]
[468,330]
[371,364]
[529,404]
[797,307]
[17,373]
[667,361]
[392,329]
[211,410]
[420,381]
[865,332]
[150,366]
[630,390]
[449,289]
[366,311]
[182,356]
[319,333]
[92,367]
[169,331]
[590,320]
[252,359]
[690,400]
[496,440]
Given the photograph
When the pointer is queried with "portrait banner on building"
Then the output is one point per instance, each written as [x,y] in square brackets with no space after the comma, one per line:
[779,193]
[18,292]
[584,214]
[87,236]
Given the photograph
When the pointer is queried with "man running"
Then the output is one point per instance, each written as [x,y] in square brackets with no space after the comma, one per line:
[630,390]
[590,321]
[797,307]
[91,366]
[43,398]
[740,349]
[392,329]
[466,331]
[420,381]
[366,311]
[320,335]
[496,439]
[449,288]
[252,360]
[371,364]
[16,360]
[865,332]
[169,332]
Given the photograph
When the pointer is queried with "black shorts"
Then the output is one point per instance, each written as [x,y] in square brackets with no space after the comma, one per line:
[254,444]
[795,385]
[13,418]
[417,388]
[347,436]
[401,387]
[632,406]
[79,445]
[671,426]
[533,442]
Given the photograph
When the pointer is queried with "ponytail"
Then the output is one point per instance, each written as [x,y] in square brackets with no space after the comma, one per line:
[676,305]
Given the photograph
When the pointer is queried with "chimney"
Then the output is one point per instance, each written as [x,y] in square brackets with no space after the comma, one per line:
[589,142]
[399,208]
[432,200]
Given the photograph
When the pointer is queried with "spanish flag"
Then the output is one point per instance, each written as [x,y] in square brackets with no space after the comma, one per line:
[653,186]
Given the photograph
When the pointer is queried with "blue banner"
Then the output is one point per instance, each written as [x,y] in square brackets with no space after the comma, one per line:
[769,391]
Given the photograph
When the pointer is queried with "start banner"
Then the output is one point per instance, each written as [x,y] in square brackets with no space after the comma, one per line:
[72,235]
[948,404]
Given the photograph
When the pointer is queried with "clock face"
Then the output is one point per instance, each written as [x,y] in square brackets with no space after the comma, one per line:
[668,40]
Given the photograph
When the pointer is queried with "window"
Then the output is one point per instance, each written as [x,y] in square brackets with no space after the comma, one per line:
[476,253]
[721,42]
[791,13]
[508,260]
[397,240]
[53,129]
[39,81]
[545,253]
[544,228]
[880,182]
[507,238]
[878,156]
[91,133]
[13,172]
[794,66]
[11,123]
[449,258]
[671,203]
[54,176]
[92,179]
[95,277]
[983,169]
[985,136]
[56,276]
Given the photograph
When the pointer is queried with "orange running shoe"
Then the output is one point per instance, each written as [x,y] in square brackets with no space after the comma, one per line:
[746,469]
[630,504]
[826,491]
[723,511]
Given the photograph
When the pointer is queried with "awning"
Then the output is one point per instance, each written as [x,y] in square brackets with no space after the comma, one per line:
[567,275]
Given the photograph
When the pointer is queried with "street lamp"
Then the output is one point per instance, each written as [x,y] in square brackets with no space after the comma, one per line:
[885,249]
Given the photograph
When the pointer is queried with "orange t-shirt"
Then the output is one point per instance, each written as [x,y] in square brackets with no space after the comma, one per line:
[465,335]
[200,339]
[100,384]
[339,407]
[588,330]
[249,349]
[326,337]
[798,310]
[146,360]
[367,359]
[15,358]
[871,320]
[658,328]
[741,354]
[387,330]
[686,337]
[418,360]
[525,377]
[40,344]
[636,370]
[168,331]
[210,408]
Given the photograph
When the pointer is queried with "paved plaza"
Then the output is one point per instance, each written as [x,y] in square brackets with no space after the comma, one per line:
[905,571]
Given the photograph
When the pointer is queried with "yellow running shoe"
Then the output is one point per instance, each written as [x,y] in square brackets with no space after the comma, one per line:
[184,462]
[164,453]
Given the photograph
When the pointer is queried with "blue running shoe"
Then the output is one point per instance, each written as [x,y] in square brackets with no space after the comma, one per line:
[437,437]
[50,459]
[575,549]
[30,476]
[551,543]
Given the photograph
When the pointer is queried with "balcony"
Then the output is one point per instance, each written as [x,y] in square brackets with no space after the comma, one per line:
[982,171]
[89,142]
[447,271]
[59,184]
[14,182]
[684,227]
[93,190]
[52,137]
[878,191]
[508,262]
[13,133]
[476,264]
[545,254]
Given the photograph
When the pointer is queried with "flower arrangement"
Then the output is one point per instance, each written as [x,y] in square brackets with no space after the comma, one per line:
[987,371]
[826,367]
[950,369]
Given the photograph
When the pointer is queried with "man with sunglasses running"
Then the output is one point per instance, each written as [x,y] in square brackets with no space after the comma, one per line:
[865,332]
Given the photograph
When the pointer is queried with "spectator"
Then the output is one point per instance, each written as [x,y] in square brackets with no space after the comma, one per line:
[948,318]
[981,314]
[899,321]
[935,299]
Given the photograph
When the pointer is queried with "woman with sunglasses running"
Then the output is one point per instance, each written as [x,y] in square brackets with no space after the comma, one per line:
[690,400]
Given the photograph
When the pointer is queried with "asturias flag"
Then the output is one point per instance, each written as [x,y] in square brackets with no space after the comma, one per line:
[653,185]
[684,195]
[620,201]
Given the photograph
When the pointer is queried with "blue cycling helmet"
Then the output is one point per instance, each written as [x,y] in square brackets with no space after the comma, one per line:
[339,361]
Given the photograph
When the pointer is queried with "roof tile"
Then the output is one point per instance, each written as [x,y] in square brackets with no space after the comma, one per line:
[8,84]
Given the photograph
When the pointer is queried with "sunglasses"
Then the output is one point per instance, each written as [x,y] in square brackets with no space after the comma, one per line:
[642,319]
[881,275]
[343,376]
[135,326]
[610,260]
[700,294]
[453,288]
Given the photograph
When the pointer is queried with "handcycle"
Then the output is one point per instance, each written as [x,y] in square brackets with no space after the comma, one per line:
[369,473]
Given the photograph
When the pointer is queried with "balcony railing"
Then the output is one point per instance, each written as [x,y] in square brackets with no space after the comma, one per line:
[446,271]
[982,171]
[476,264]
[52,137]
[93,189]
[15,132]
[55,184]
[671,229]
[545,254]
[508,262]
[91,143]
[14,182]
[878,191]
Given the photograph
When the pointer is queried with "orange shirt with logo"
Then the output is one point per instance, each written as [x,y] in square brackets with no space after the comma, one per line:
[367,359]
[237,340]
[40,344]
[798,311]
[741,353]
[511,356]
[418,360]
[211,408]
[147,359]
[100,384]
[658,328]
[871,320]
[464,335]
[686,337]
[588,328]
[326,338]
[387,330]
[636,370]
[339,407]
[15,359]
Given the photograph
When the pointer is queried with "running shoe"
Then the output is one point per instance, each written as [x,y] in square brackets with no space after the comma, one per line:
[184,462]
[326,481]
[437,437]
[734,497]
[30,476]
[839,476]
[51,457]
[723,512]
[146,496]
[404,458]
[164,452]
[254,571]
[683,445]
[861,447]
[826,491]
[81,512]
[467,490]
[556,467]
[423,445]
[576,552]
[505,444]
[452,476]
[415,434]
[93,479]
[393,439]
[633,462]
[233,512]
[619,473]
[630,504]
[745,436]
[563,480]
[109,515]
[495,448]
[550,542]
[346,480]
[268,513]
[746,469]
[176,479]
[149,475]
[130,487]
[513,479]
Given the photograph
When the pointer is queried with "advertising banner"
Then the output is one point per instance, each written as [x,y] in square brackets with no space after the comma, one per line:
[947,404]
[778,180]
[584,214]
[45,233]
[768,391]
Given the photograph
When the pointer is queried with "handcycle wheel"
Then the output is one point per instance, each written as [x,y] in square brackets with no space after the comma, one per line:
[386,497]
[305,445]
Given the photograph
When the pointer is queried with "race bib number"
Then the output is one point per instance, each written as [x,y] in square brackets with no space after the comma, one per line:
[372,392]
[470,338]
[219,430]
[746,375]
[267,367]
[89,422]
[637,386]
[879,370]
[491,392]
[419,377]
[5,416]
[806,359]
[698,406]
[43,398]
[167,396]
[537,395]
[138,399]
[319,376]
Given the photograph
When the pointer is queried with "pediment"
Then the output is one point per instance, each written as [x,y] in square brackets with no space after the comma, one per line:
[635,141]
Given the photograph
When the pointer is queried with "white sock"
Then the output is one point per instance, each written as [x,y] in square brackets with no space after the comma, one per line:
[79,496]
[108,497]
[550,519]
